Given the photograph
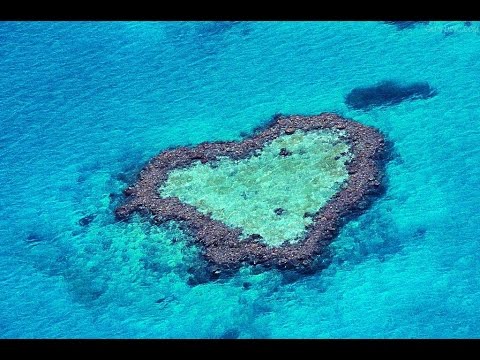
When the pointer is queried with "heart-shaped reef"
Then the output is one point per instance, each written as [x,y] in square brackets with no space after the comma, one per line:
[277,198]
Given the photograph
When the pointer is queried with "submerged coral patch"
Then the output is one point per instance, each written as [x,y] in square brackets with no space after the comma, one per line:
[402,25]
[276,198]
[387,93]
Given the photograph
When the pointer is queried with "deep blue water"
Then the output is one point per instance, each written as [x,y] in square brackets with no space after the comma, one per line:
[84,105]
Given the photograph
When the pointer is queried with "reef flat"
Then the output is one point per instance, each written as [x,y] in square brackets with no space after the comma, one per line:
[276,198]
[272,194]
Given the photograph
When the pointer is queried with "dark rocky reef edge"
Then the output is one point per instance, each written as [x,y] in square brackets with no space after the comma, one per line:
[222,246]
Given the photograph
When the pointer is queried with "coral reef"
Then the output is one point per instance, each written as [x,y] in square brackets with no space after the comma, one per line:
[227,246]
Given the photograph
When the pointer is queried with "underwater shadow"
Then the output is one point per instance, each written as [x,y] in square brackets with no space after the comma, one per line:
[387,93]
[403,25]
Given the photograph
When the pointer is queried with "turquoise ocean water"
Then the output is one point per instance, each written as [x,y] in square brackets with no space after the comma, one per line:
[84,105]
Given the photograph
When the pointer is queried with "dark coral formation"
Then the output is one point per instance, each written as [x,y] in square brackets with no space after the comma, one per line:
[86,220]
[223,247]
[285,152]
[387,93]
[34,238]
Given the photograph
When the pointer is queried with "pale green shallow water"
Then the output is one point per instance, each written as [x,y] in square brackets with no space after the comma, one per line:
[245,193]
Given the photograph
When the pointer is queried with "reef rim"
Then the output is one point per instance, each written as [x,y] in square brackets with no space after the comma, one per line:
[222,245]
